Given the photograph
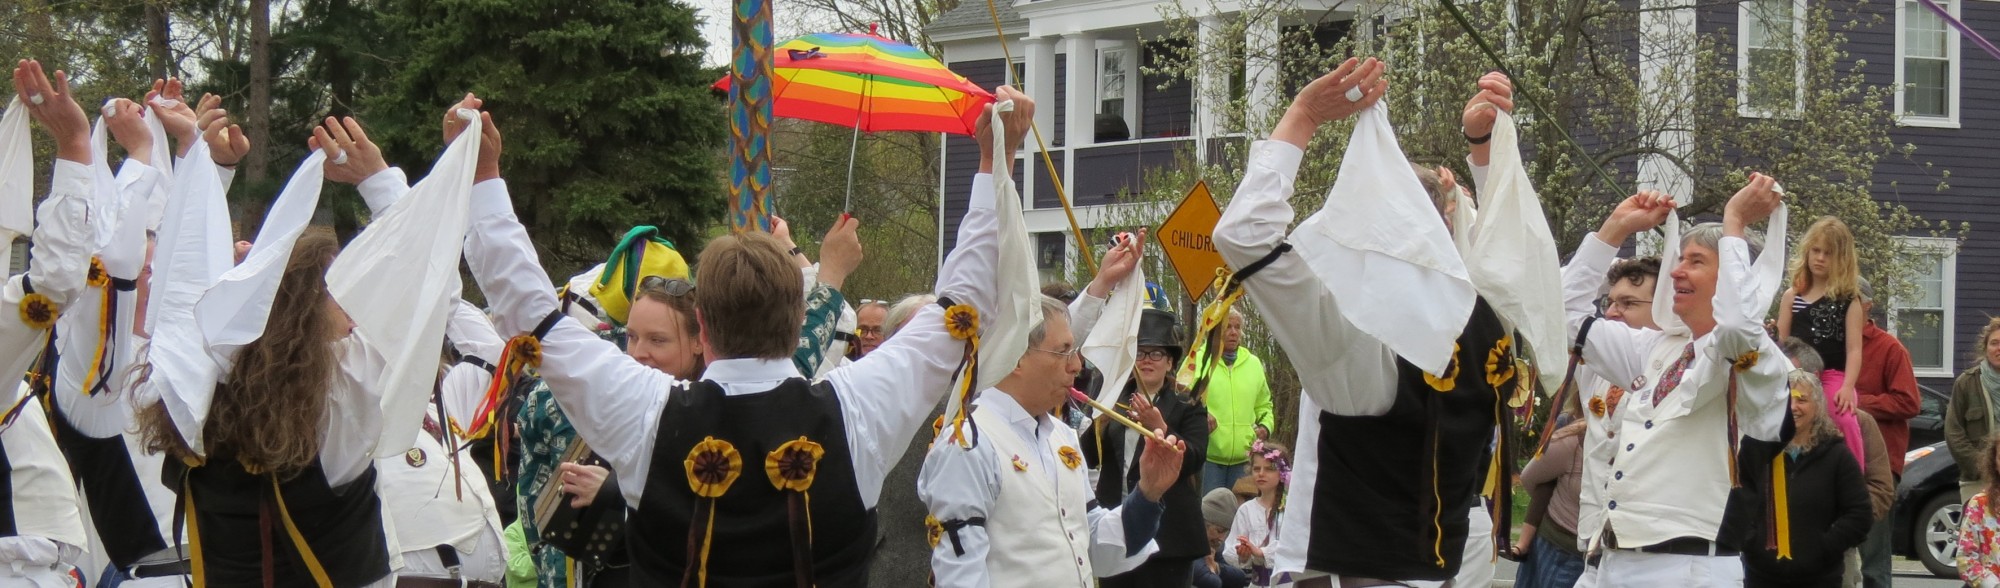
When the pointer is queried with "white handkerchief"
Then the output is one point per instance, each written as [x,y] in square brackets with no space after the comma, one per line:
[1512,260]
[1381,248]
[1113,343]
[17,178]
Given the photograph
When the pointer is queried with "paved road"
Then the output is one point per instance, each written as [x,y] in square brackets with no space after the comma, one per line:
[1909,574]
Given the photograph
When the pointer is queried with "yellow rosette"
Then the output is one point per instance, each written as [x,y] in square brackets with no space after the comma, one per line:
[962,321]
[712,466]
[792,465]
[1500,363]
[1449,380]
[38,312]
[1070,457]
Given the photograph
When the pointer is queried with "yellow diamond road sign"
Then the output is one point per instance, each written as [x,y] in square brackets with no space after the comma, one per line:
[1186,238]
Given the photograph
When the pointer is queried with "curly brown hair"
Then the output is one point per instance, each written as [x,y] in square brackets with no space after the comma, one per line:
[271,412]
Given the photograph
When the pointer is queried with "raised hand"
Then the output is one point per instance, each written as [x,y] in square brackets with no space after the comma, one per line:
[127,121]
[226,142]
[1640,212]
[350,156]
[1496,95]
[1119,261]
[52,105]
[840,253]
[1755,202]
[1160,464]
[1348,89]
[176,115]
[1018,123]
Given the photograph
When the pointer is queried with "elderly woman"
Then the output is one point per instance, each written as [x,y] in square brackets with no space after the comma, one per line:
[1820,500]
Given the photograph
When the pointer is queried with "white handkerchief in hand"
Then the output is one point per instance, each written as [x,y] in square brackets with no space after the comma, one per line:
[1113,343]
[1382,250]
[1513,260]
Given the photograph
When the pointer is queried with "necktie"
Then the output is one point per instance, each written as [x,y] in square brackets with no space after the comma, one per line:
[1672,379]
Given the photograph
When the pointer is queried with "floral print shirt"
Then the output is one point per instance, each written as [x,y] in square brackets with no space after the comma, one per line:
[1978,549]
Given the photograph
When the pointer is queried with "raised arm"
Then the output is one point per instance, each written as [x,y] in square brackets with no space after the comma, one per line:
[63,237]
[1613,350]
[886,395]
[1763,398]
[611,399]
[1350,372]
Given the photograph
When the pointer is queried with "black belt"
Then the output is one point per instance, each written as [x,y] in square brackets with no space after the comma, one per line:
[160,570]
[408,582]
[1689,546]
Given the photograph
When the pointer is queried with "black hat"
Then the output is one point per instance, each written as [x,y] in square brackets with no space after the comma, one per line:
[1159,328]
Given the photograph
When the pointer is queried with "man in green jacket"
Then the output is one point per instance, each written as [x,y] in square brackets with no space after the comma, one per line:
[1239,408]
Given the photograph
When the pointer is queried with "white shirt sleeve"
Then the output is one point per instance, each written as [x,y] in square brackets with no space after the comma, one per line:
[611,399]
[960,484]
[60,251]
[383,189]
[1614,351]
[885,395]
[1763,395]
[354,421]
[1352,373]
[1083,315]
[1108,544]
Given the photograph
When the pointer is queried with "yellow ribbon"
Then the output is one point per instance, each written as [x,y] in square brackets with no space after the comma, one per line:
[1212,316]
[299,540]
[195,564]
[1779,503]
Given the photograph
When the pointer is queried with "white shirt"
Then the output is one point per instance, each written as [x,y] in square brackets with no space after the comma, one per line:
[1253,522]
[1669,474]
[957,484]
[615,402]
[46,510]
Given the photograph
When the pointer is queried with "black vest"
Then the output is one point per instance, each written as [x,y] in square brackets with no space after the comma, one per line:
[113,489]
[343,526]
[751,544]
[1392,492]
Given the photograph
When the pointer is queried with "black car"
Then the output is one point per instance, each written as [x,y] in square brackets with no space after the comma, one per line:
[1926,512]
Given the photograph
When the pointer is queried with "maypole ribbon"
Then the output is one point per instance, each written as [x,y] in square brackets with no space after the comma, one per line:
[750,116]
[523,352]
[1201,356]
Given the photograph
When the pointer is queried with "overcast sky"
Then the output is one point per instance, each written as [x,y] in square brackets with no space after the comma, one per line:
[715,25]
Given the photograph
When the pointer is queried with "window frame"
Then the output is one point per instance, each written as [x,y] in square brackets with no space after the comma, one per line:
[1953,57]
[1743,106]
[1947,250]
[1128,66]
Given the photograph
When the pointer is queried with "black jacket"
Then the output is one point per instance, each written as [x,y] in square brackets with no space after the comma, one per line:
[1182,534]
[1827,498]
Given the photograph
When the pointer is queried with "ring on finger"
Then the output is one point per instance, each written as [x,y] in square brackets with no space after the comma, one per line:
[35,99]
[1355,94]
[340,159]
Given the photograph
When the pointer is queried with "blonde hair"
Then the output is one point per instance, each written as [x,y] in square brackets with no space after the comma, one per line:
[1824,429]
[1843,279]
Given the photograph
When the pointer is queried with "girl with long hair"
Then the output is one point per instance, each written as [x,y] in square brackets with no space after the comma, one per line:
[1979,528]
[1823,310]
[1255,530]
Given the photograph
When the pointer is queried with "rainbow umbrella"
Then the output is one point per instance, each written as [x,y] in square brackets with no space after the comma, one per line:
[871,83]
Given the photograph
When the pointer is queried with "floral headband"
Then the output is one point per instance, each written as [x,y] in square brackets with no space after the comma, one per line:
[1276,457]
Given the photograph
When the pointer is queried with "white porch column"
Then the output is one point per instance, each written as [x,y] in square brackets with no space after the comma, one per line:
[1041,82]
[1666,67]
[1080,108]
[1261,61]
[1211,87]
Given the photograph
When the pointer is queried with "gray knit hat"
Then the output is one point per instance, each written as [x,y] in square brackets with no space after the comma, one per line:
[1219,507]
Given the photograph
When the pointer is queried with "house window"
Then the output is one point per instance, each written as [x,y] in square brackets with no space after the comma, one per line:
[1051,255]
[1768,64]
[1114,95]
[1927,66]
[1017,75]
[1924,322]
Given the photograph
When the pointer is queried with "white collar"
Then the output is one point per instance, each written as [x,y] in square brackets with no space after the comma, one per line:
[749,370]
[1005,406]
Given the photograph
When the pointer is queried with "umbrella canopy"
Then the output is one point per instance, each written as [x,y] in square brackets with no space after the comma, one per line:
[871,83]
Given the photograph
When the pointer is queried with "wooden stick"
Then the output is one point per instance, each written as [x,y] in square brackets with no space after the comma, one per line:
[1086,399]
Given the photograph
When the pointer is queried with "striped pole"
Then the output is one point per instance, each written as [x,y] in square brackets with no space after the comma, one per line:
[750,116]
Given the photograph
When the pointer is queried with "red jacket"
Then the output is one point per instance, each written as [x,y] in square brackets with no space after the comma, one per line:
[1887,389]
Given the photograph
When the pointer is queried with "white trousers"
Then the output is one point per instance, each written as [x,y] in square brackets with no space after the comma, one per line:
[486,561]
[1624,568]
[20,574]
[1475,568]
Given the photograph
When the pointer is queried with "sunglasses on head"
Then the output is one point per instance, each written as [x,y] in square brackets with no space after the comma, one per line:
[674,287]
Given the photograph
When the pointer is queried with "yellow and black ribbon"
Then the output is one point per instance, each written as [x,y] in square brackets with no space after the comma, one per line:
[791,468]
[712,466]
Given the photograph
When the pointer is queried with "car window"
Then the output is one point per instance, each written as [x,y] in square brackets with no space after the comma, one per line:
[1933,407]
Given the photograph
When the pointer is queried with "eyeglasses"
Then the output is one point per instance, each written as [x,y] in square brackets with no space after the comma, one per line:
[1072,353]
[1627,305]
[870,331]
[1154,354]
[674,287]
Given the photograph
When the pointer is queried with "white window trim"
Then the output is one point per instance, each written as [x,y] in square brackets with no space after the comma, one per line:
[1129,61]
[1948,297]
[1951,51]
[1743,106]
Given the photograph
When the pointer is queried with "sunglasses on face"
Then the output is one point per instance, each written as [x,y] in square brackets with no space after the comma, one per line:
[674,287]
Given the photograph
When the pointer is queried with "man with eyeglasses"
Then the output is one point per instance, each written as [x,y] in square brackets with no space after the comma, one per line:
[1629,300]
[1120,454]
[869,318]
[992,499]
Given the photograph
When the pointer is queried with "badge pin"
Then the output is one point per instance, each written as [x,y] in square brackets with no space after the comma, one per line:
[1020,466]
[1638,383]
[416,457]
